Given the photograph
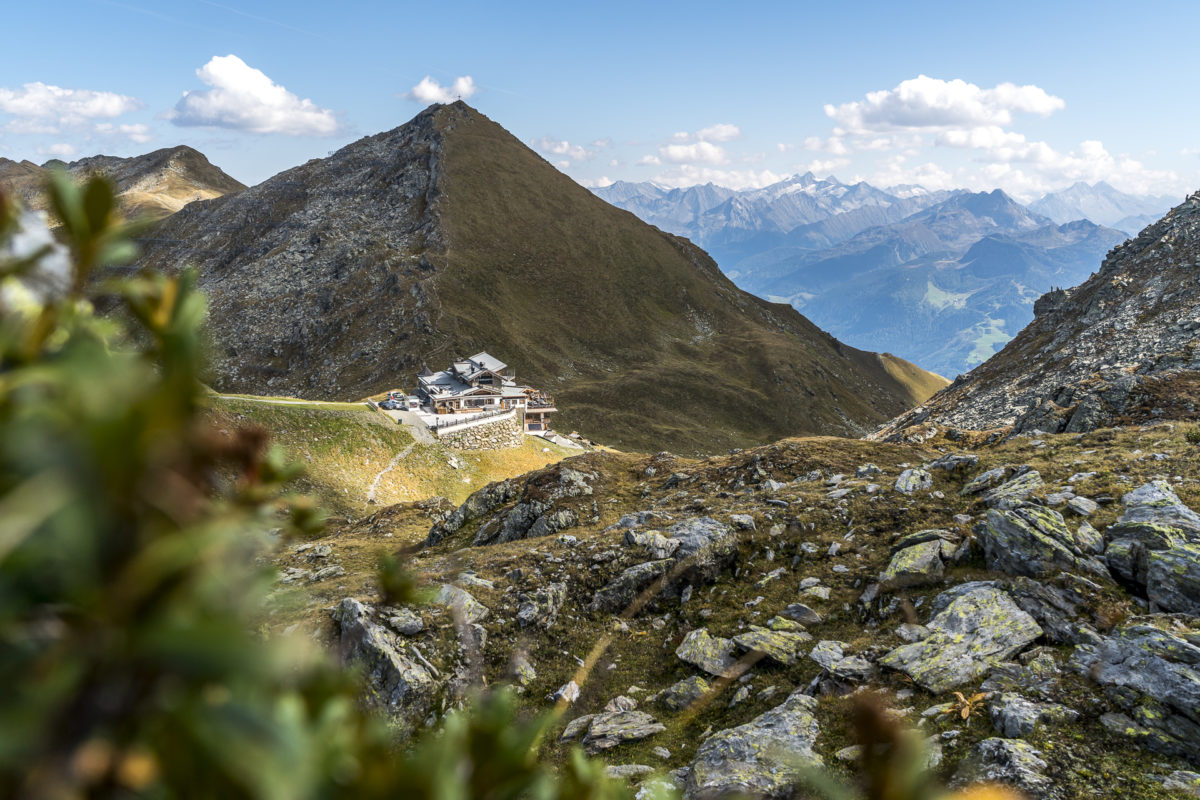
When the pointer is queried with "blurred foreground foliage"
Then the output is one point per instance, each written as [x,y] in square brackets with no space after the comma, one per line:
[132,544]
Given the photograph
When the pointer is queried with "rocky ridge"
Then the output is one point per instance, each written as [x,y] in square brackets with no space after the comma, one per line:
[1122,347]
[153,185]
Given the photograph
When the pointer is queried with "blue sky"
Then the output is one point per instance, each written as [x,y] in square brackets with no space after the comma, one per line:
[1027,97]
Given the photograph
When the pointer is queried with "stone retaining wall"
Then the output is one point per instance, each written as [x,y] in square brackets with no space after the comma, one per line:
[494,435]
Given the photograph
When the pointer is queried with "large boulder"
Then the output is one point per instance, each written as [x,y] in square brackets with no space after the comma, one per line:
[914,480]
[782,647]
[1156,545]
[977,629]
[683,694]
[1034,541]
[619,593]
[399,686]
[706,546]
[479,504]
[1154,677]
[461,603]
[710,653]
[1015,491]
[763,758]
[541,606]
[918,565]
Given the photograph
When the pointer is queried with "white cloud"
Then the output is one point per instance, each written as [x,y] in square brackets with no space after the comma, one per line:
[925,102]
[722,132]
[690,175]
[245,99]
[614,162]
[60,150]
[559,147]
[648,161]
[824,166]
[699,152]
[40,101]
[784,147]
[430,91]
[834,145]
[598,183]
[30,126]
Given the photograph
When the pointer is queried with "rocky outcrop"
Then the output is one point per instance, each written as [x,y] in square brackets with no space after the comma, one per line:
[1153,676]
[1119,347]
[400,686]
[763,758]
[1035,541]
[1007,761]
[1155,545]
[975,630]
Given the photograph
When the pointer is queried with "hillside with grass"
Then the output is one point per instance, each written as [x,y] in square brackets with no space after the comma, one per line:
[356,458]
[446,236]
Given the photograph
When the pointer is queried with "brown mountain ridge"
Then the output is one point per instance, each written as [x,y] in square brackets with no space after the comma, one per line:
[344,276]
[156,184]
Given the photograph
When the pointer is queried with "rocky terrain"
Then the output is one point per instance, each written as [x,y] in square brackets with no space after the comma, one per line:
[1119,348]
[345,276]
[153,185]
[1028,606]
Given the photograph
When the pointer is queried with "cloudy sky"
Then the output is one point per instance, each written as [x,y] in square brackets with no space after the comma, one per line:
[1024,96]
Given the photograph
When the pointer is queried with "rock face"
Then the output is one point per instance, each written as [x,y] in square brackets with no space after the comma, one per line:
[913,480]
[762,758]
[1034,541]
[916,565]
[1117,348]
[1156,545]
[1154,676]
[399,686]
[977,629]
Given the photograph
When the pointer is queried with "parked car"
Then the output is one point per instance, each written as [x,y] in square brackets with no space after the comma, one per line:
[391,405]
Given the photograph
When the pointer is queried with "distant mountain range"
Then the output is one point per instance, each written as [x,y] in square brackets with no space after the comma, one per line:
[1103,205]
[941,278]
[156,184]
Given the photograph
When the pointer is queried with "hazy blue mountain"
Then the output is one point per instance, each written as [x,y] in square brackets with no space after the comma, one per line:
[1103,205]
[940,278]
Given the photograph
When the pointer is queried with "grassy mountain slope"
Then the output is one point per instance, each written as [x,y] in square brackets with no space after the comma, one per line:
[446,236]
[156,184]
[355,458]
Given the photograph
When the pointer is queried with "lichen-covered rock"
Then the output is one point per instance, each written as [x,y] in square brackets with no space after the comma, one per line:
[986,480]
[706,546]
[541,607]
[914,480]
[974,631]
[399,686]
[710,653]
[1156,544]
[1034,541]
[622,590]
[477,505]
[1015,717]
[461,603]
[1173,578]
[828,652]
[1008,761]
[917,565]
[798,612]
[611,729]
[762,758]
[1154,676]
[1014,491]
[657,545]
[683,694]
[406,621]
[782,647]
